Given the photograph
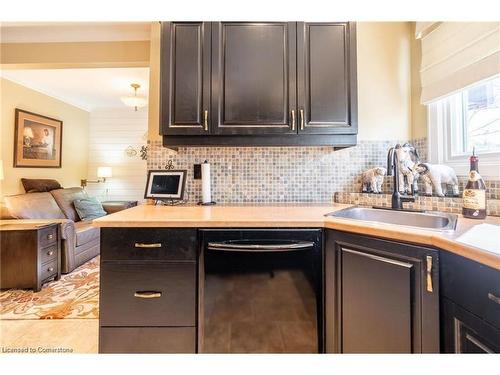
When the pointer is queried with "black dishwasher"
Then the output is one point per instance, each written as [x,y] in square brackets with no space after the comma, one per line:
[261,291]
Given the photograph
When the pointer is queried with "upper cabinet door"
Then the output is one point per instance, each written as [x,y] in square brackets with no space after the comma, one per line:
[185,78]
[254,78]
[326,78]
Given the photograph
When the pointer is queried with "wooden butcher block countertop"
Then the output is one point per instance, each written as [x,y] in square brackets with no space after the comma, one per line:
[311,216]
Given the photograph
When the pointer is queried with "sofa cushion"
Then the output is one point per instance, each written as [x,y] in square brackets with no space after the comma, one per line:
[89,208]
[65,198]
[85,233]
[39,185]
[34,206]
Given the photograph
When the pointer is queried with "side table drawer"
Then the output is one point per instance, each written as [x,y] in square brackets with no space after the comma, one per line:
[48,269]
[48,253]
[47,236]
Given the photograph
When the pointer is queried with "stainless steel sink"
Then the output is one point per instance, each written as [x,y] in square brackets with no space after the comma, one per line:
[427,219]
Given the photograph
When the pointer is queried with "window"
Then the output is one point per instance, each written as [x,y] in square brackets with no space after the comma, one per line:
[467,120]
[475,119]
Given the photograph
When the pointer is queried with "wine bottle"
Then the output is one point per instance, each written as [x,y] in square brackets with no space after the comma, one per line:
[474,196]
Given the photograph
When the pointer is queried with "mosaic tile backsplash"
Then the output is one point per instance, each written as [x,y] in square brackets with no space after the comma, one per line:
[287,174]
[273,174]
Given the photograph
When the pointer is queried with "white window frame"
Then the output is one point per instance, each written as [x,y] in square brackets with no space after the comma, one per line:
[440,150]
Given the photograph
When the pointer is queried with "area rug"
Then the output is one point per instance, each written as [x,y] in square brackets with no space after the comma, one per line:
[74,296]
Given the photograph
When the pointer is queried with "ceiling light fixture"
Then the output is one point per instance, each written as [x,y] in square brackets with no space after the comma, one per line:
[135,100]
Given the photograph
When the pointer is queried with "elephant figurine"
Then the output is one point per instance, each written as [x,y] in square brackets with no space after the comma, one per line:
[435,175]
[408,158]
[372,179]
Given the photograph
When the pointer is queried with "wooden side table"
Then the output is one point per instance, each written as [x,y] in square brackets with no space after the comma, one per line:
[30,255]
[114,206]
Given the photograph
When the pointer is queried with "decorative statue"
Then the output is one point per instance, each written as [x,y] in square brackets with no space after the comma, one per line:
[434,175]
[372,179]
[408,158]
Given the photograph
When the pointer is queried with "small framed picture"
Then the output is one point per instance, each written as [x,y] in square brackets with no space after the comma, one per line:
[37,141]
[168,184]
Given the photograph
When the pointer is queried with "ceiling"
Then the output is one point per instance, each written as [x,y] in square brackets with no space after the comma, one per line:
[88,89]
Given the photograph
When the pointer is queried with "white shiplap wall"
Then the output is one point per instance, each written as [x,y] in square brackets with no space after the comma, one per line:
[111,132]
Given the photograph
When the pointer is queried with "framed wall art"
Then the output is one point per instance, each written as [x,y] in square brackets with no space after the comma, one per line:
[37,141]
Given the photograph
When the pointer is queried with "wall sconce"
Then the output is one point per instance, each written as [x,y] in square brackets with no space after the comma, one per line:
[102,174]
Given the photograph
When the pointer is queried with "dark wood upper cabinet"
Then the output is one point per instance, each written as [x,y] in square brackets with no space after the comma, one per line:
[258,83]
[185,78]
[253,77]
[326,77]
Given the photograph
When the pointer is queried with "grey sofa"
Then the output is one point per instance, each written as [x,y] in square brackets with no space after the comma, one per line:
[80,240]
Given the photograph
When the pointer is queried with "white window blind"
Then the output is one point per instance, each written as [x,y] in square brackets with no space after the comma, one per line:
[456,55]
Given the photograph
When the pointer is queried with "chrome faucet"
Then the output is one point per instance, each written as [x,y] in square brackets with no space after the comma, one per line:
[393,170]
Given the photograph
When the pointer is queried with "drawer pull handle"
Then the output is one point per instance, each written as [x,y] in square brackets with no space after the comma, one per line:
[147,245]
[429,274]
[50,236]
[50,252]
[50,269]
[147,294]
[494,298]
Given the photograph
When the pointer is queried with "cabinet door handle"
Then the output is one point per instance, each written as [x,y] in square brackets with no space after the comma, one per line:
[50,269]
[301,119]
[50,252]
[147,294]
[293,120]
[147,245]
[429,273]
[205,120]
[494,298]
[50,236]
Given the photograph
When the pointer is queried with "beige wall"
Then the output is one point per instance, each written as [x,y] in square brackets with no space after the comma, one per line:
[418,111]
[75,137]
[154,83]
[118,54]
[384,80]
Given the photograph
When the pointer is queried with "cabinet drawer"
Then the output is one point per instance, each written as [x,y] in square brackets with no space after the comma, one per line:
[148,294]
[48,269]
[48,253]
[148,244]
[471,285]
[47,236]
[147,340]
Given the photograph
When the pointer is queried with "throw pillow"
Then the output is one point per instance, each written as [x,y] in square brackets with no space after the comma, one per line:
[39,185]
[89,208]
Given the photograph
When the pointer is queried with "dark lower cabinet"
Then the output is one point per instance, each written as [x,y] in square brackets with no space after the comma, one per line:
[148,290]
[147,340]
[464,332]
[470,306]
[381,296]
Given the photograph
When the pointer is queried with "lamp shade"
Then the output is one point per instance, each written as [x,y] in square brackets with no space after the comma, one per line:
[135,101]
[1,170]
[103,172]
[28,132]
